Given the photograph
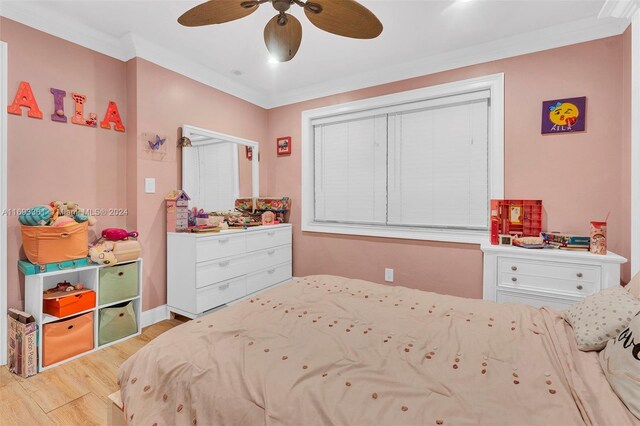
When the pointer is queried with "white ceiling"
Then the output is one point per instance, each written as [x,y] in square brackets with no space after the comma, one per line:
[420,36]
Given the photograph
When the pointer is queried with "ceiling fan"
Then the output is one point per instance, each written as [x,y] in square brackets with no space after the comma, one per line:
[283,33]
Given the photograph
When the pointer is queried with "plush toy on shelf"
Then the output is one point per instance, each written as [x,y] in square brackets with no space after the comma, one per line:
[36,216]
[71,209]
[102,254]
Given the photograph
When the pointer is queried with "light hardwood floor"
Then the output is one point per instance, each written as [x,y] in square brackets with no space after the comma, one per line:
[74,393]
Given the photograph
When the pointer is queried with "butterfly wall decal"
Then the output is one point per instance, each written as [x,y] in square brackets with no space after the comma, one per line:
[155,145]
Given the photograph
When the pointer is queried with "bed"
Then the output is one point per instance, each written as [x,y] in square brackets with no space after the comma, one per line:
[330,350]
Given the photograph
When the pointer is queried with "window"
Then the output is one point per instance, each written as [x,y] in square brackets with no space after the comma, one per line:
[421,164]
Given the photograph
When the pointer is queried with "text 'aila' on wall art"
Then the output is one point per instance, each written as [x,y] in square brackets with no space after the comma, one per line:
[25,99]
[564,115]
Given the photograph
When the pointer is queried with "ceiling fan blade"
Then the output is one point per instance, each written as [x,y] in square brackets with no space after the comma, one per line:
[217,12]
[283,41]
[346,18]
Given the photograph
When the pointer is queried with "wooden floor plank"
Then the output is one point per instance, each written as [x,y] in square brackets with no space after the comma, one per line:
[75,393]
[18,408]
[86,410]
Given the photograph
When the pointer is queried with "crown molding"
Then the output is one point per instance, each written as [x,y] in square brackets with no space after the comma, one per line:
[125,48]
[618,9]
[131,45]
[521,44]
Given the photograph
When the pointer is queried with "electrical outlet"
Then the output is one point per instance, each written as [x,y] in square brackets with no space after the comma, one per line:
[388,275]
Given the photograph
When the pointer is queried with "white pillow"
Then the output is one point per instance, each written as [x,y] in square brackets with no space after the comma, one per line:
[620,361]
[601,316]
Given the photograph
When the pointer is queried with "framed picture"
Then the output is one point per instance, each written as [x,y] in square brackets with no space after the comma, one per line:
[248,152]
[283,145]
[564,115]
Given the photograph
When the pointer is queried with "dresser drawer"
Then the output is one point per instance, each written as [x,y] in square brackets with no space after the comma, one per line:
[219,246]
[534,300]
[268,277]
[564,271]
[268,258]
[219,294]
[578,288]
[268,239]
[215,271]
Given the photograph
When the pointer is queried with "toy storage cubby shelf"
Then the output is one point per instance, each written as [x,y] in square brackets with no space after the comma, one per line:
[90,276]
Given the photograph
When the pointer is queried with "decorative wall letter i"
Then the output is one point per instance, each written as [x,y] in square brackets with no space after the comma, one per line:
[78,117]
[24,98]
[112,116]
[58,105]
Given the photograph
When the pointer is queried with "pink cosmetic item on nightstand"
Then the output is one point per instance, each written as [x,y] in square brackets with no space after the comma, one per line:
[598,238]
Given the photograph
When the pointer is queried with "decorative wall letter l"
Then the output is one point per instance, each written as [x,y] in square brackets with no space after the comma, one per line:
[112,116]
[58,105]
[24,98]
[78,117]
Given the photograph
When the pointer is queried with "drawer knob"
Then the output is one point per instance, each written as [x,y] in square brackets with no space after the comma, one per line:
[224,287]
[514,279]
[121,314]
[579,287]
[271,234]
[120,273]
[514,268]
[271,271]
[225,263]
[270,252]
[223,240]
[579,275]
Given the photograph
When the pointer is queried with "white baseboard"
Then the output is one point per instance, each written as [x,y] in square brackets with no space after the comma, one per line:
[154,315]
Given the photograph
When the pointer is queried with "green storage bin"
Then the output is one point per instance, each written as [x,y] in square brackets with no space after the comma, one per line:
[116,322]
[118,283]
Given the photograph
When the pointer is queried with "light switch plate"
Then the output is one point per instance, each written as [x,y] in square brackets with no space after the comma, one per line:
[388,275]
[150,185]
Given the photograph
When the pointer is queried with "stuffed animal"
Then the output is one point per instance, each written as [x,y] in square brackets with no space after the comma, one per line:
[72,209]
[102,254]
[63,221]
[36,216]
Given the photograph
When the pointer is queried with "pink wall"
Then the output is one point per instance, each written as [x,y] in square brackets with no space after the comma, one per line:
[165,101]
[589,176]
[106,169]
[49,160]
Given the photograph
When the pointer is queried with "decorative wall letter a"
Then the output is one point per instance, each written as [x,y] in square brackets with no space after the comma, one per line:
[58,105]
[112,116]
[78,117]
[24,98]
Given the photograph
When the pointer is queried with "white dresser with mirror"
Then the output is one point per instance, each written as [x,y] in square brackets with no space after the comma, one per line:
[205,271]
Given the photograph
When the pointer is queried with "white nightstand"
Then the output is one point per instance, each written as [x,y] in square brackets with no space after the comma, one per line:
[546,277]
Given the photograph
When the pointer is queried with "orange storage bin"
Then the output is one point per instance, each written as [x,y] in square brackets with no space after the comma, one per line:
[67,338]
[68,305]
[50,244]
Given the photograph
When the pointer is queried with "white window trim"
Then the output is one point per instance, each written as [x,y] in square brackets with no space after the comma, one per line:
[494,82]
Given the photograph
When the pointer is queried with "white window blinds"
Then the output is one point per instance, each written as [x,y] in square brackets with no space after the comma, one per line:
[351,171]
[420,164]
[438,174]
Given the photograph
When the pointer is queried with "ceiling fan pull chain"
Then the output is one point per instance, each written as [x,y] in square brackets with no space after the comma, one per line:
[282,19]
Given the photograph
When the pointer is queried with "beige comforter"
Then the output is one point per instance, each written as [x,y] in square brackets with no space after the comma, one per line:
[330,350]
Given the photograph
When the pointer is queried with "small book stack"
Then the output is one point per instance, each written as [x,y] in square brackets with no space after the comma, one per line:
[566,241]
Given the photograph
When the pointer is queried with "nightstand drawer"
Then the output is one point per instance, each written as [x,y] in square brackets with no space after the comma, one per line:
[559,270]
[534,300]
[579,288]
